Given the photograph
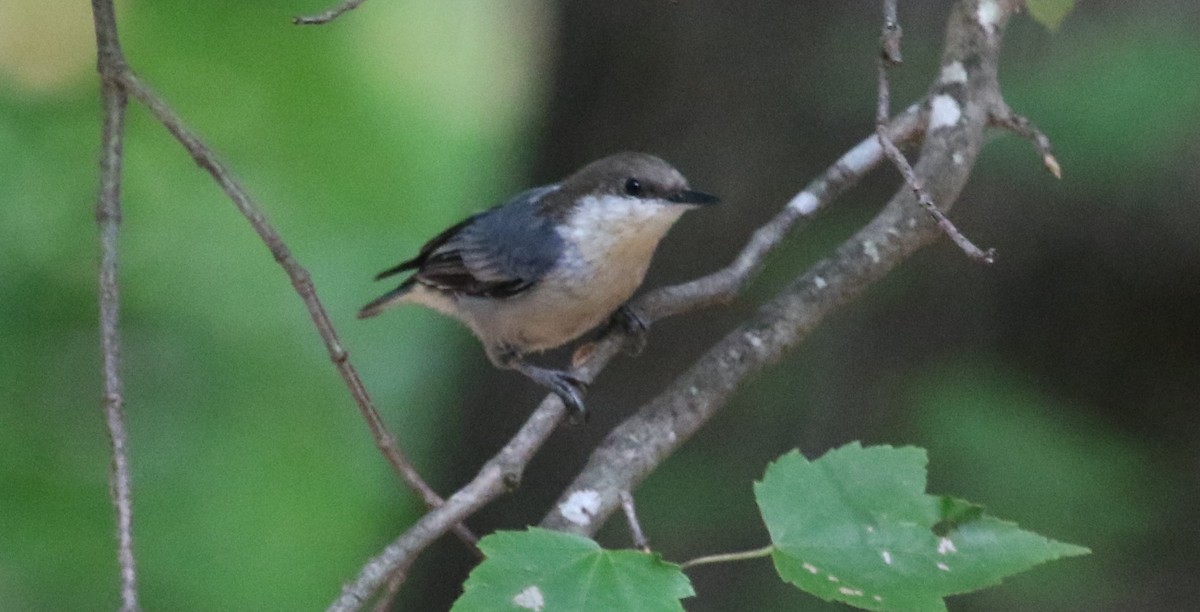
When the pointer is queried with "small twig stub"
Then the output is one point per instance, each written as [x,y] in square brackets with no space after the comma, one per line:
[635,528]
[329,15]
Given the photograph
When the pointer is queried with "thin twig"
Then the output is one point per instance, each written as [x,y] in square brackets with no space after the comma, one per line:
[757,553]
[1025,128]
[108,219]
[635,528]
[301,282]
[889,39]
[725,284]
[500,474]
[890,54]
[329,15]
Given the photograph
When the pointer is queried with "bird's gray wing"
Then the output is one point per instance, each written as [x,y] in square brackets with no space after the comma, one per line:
[497,253]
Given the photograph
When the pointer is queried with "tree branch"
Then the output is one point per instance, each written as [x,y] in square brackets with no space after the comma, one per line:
[757,553]
[499,475]
[1019,125]
[109,63]
[329,15]
[890,56]
[301,282]
[635,527]
[720,286]
[636,447]
[118,82]
[725,284]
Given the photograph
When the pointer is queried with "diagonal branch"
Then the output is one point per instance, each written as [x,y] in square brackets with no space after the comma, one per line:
[1004,117]
[301,282]
[499,475]
[636,447]
[119,81]
[503,471]
[108,217]
[329,15]
[725,284]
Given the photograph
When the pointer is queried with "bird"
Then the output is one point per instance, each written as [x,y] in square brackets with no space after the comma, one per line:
[550,264]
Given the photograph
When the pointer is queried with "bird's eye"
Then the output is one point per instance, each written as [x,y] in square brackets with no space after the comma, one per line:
[633,187]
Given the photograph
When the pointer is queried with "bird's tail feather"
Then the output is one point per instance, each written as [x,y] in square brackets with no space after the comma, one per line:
[385,301]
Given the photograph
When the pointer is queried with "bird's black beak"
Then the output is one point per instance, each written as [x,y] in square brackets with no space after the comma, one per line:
[699,198]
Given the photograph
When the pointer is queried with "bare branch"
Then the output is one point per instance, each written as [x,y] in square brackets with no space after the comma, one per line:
[757,553]
[637,446]
[889,39]
[726,283]
[499,475]
[119,81]
[714,288]
[329,15]
[301,282]
[635,528]
[108,219]
[890,55]
[1025,128]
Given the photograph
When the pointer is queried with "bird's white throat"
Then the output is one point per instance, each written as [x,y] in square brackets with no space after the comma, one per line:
[606,222]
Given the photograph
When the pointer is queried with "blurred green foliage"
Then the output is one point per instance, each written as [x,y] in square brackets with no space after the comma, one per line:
[256,484]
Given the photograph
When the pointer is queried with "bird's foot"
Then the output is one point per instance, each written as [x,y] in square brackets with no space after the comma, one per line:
[570,390]
[634,326]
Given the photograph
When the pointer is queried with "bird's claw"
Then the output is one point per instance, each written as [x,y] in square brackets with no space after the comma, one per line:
[570,390]
[634,326]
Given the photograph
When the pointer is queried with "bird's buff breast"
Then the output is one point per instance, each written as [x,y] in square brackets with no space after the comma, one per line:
[608,250]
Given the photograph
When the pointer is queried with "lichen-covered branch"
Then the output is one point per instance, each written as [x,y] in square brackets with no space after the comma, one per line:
[714,288]
[952,142]
[889,56]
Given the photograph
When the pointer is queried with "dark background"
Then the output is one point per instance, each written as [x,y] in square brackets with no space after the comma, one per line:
[1056,387]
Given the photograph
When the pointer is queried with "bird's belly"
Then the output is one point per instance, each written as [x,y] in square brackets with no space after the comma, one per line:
[560,308]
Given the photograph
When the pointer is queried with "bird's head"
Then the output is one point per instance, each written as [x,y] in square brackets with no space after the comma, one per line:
[627,197]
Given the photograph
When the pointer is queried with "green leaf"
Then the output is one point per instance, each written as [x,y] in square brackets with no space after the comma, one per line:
[551,571]
[1049,13]
[856,526]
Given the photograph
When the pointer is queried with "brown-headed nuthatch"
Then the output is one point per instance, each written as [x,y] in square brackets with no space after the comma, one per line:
[551,263]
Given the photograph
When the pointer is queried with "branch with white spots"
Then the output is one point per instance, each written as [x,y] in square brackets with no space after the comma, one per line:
[944,112]
[582,507]
[968,78]
[725,284]
[642,442]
